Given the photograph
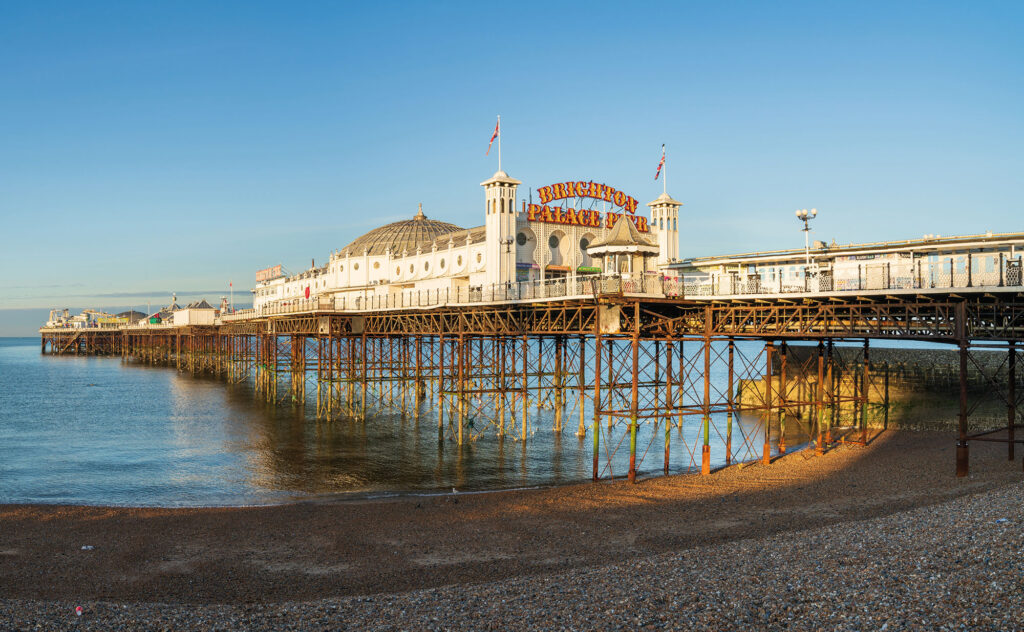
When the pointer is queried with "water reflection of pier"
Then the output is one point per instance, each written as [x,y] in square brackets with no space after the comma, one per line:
[647,381]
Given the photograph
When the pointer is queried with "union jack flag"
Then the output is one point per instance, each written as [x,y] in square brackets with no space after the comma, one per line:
[497,131]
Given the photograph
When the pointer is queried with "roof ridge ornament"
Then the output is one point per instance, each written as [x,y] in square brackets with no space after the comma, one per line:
[419,214]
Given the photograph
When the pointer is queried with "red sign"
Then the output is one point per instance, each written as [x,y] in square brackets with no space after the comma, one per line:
[582,189]
[268,273]
[582,217]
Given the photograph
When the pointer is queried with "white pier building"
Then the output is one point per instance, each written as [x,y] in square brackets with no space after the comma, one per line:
[575,230]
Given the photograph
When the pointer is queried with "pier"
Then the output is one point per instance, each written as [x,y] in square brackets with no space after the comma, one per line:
[603,355]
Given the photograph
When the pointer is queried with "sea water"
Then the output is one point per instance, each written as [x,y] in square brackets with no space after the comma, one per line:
[95,430]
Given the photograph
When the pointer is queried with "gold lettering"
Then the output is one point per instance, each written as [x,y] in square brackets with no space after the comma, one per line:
[611,217]
[531,213]
[606,192]
[545,214]
[641,223]
[570,189]
[545,194]
[557,191]
[631,204]
[619,199]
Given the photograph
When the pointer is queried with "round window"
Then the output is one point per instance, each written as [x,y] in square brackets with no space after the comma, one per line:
[341,268]
[479,257]
[376,265]
[412,268]
[458,261]
[426,266]
[584,243]
[442,264]
[355,266]
[553,241]
[521,239]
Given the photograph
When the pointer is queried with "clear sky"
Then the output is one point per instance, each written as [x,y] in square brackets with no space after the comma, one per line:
[154,147]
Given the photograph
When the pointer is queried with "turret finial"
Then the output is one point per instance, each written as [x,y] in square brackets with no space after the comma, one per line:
[420,215]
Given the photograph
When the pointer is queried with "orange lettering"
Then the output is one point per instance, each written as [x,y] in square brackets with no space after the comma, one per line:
[570,189]
[557,191]
[619,199]
[595,219]
[641,223]
[594,190]
[545,194]
[611,217]
[531,213]
[631,204]
[606,192]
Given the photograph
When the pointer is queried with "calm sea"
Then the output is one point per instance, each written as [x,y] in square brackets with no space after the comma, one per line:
[86,430]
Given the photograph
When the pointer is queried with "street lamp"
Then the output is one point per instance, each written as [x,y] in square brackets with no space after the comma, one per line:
[806,216]
[507,242]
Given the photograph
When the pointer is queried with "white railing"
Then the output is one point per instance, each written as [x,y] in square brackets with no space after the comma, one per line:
[870,278]
[549,289]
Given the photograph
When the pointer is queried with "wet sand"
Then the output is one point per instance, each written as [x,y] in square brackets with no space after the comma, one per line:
[335,549]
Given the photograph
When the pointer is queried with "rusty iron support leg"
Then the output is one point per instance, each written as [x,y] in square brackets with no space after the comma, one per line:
[668,403]
[596,430]
[783,395]
[766,457]
[865,394]
[819,403]
[961,446]
[1011,398]
[634,406]
[705,452]
[730,402]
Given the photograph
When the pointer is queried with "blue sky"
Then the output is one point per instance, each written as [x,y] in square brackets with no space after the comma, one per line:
[155,147]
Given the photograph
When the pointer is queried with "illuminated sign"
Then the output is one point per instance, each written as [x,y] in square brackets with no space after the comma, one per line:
[581,189]
[582,217]
[269,273]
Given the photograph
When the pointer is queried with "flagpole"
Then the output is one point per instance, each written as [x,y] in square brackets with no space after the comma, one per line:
[664,178]
[499,142]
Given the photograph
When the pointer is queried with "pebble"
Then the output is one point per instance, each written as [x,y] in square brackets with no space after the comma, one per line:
[939,567]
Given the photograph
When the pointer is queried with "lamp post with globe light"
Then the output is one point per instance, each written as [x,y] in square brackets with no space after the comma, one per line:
[806,216]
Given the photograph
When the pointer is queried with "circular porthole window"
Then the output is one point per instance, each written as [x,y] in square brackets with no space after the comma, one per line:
[584,244]
[376,265]
[355,266]
[341,268]
[442,264]
[521,239]
[553,241]
[426,266]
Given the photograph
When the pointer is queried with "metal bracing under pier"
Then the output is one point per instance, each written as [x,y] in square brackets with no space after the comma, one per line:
[652,381]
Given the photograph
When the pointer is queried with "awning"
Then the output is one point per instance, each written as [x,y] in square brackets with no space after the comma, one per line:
[558,268]
[589,269]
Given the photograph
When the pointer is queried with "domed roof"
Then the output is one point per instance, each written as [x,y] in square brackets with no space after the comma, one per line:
[406,235]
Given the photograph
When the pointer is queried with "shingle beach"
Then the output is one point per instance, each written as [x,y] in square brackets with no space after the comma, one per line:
[877,538]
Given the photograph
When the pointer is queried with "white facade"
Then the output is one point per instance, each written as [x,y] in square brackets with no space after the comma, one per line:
[530,243]
[194,316]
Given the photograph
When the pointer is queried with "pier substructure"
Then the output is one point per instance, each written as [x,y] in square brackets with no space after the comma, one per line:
[700,385]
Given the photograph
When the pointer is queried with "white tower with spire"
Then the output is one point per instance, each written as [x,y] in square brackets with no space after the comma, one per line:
[500,196]
[665,224]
